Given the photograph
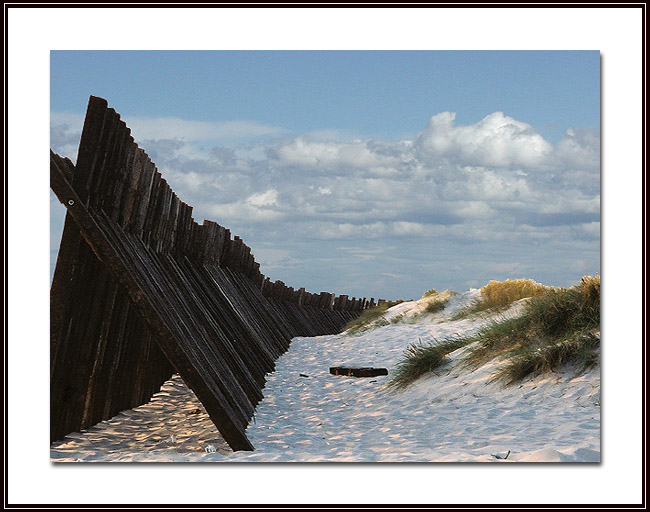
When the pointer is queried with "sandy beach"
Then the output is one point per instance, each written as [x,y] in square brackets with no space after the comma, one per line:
[308,415]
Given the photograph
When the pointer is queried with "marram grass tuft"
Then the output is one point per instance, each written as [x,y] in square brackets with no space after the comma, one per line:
[420,359]
[436,301]
[559,326]
[497,296]
[370,318]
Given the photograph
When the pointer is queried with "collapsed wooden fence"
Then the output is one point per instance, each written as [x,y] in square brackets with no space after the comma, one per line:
[140,291]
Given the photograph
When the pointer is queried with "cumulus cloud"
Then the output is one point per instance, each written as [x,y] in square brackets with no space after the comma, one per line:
[245,211]
[579,149]
[496,185]
[497,140]
[331,156]
[266,198]
[62,136]
[497,169]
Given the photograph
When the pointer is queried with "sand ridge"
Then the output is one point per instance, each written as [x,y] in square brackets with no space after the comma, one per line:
[309,415]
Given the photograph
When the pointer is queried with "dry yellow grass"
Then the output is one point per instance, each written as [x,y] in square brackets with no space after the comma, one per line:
[499,295]
[504,293]
[436,301]
[557,326]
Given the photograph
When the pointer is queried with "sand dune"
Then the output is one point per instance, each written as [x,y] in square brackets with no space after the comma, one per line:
[452,416]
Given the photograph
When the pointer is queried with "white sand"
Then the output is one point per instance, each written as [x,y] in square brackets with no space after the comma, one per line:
[452,416]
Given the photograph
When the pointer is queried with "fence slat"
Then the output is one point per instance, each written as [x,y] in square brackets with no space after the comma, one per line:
[141,290]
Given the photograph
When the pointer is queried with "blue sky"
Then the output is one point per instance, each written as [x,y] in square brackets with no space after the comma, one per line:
[367,172]
[368,93]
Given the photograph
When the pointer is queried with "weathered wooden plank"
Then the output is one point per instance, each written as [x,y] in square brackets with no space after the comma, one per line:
[89,147]
[103,164]
[96,385]
[145,187]
[217,345]
[240,317]
[147,269]
[96,238]
[190,290]
[132,170]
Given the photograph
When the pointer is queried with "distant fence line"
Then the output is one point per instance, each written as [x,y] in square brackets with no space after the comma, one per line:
[141,290]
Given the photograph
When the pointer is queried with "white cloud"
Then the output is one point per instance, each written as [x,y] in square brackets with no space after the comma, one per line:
[267,198]
[326,190]
[365,253]
[592,229]
[193,181]
[474,209]
[154,128]
[327,155]
[65,133]
[271,256]
[579,148]
[570,201]
[497,140]
[163,127]
[495,184]
[70,119]
[301,152]
[394,276]
[242,212]
[417,229]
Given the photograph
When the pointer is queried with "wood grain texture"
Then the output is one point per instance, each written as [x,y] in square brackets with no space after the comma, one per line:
[141,290]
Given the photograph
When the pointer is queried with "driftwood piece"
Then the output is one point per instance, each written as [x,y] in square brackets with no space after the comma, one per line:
[358,371]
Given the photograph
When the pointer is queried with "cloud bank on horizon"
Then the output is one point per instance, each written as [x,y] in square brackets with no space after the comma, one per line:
[452,207]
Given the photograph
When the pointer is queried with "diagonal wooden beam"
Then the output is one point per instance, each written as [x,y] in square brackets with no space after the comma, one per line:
[208,392]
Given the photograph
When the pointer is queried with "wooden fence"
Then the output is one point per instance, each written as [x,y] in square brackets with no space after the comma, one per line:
[140,290]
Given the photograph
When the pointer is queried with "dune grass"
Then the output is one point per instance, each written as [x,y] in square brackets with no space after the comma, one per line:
[564,329]
[436,301]
[497,296]
[370,318]
[581,350]
[429,293]
[367,319]
[558,327]
[420,359]
[435,306]
[397,319]
[495,339]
